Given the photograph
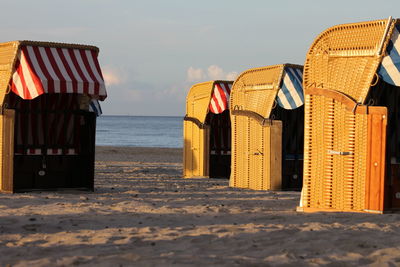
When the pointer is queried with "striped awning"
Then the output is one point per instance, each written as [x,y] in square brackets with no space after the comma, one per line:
[291,96]
[389,70]
[40,70]
[220,97]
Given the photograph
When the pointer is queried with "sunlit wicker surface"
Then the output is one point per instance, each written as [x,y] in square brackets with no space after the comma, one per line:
[198,100]
[8,52]
[195,142]
[195,132]
[256,140]
[334,181]
[344,59]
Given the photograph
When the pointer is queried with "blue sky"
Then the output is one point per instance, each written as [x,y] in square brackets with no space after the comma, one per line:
[152,51]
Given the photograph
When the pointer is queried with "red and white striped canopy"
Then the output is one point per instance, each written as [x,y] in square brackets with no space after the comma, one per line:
[40,70]
[220,97]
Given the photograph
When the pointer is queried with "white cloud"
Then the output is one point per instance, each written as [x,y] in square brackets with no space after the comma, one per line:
[112,76]
[194,74]
[213,72]
[231,76]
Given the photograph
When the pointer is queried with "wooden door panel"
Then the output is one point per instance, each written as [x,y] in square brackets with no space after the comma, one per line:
[256,155]
[375,183]
[7,150]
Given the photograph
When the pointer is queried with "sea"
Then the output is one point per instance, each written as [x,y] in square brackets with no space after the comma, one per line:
[139,131]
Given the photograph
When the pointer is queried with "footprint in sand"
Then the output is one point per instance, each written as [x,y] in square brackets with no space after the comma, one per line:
[31,227]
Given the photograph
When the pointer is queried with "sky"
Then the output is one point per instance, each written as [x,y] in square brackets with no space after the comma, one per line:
[153,51]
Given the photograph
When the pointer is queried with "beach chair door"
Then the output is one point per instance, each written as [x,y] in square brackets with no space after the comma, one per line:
[240,151]
[266,156]
[7,150]
[256,155]
[195,150]
[344,161]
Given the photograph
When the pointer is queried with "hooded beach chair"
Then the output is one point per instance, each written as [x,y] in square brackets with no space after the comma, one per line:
[267,128]
[49,96]
[206,131]
[352,118]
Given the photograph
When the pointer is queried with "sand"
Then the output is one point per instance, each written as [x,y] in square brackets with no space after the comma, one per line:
[143,213]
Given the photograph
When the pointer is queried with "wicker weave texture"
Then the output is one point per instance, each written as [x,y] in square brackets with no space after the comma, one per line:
[256,89]
[196,143]
[240,159]
[7,57]
[256,146]
[258,136]
[333,181]
[345,58]
[196,140]
[198,100]
[256,154]
[7,150]
[8,52]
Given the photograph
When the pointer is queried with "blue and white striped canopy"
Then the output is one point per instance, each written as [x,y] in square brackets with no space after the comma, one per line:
[291,96]
[94,106]
[389,70]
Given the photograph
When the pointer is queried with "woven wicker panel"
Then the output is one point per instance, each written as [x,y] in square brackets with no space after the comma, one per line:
[256,155]
[233,176]
[331,181]
[255,89]
[196,142]
[345,58]
[8,150]
[240,147]
[197,103]
[8,53]
[254,92]
[198,100]
[234,152]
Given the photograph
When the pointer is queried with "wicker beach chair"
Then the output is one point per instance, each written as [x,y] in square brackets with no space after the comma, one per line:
[350,147]
[267,125]
[47,128]
[206,127]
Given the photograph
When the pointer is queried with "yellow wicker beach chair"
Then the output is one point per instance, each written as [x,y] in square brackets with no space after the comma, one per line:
[267,124]
[49,93]
[206,131]
[351,144]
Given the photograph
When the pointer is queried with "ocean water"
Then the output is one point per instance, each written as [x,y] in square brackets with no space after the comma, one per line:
[139,131]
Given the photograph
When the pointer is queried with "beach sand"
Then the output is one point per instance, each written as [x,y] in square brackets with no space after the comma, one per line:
[142,213]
